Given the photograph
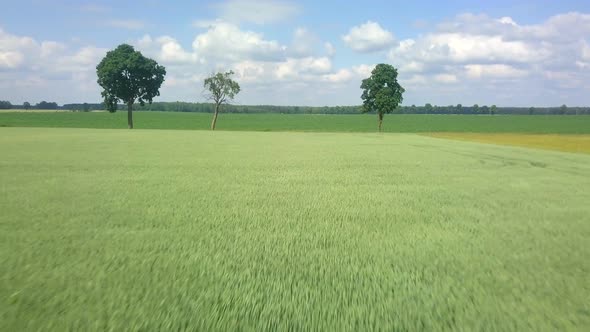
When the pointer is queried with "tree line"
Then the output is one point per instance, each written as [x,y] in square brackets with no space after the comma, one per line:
[413,109]
[247,109]
[44,105]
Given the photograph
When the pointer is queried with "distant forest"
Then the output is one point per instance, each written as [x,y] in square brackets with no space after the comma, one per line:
[209,108]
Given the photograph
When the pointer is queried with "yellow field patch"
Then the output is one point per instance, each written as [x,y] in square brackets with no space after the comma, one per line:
[567,143]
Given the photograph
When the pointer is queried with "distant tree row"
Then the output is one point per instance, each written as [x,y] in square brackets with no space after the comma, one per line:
[6,105]
[210,108]
[413,109]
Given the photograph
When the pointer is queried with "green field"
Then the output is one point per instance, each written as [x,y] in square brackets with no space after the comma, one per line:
[171,230]
[315,123]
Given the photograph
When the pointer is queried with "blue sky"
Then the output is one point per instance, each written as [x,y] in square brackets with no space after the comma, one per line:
[517,53]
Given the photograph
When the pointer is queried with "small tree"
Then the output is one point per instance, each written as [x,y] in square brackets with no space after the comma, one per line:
[126,75]
[221,89]
[493,109]
[476,109]
[381,91]
[531,110]
[27,105]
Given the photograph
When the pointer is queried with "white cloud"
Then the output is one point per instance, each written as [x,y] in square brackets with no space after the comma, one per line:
[585,51]
[257,11]
[126,24]
[485,58]
[412,67]
[289,69]
[352,74]
[465,48]
[10,42]
[10,59]
[479,47]
[226,41]
[172,52]
[494,70]
[49,48]
[507,20]
[446,78]
[47,70]
[308,65]
[17,51]
[363,70]
[342,75]
[368,37]
[83,61]
[468,59]
[304,43]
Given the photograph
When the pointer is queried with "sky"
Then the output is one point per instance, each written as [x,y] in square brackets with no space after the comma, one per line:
[316,53]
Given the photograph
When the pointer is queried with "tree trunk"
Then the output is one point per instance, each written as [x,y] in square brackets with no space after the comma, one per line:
[130,114]
[215,117]
[380,121]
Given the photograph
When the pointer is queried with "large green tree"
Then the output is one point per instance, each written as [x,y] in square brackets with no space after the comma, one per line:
[127,76]
[221,89]
[381,91]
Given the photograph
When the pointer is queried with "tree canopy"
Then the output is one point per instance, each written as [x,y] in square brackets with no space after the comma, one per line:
[44,105]
[381,91]
[126,75]
[5,105]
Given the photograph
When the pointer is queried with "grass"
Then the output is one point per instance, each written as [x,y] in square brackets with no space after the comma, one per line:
[172,230]
[312,123]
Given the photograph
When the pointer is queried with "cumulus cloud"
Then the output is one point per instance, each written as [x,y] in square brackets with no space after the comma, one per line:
[259,63]
[50,70]
[445,78]
[305,43]
[227,41]
[342,75]
[495,70]
[585,51]
[10,59]
[488,58]
[355,73]
[166,49]
[480,48]
[257,11]
[50,48]
[368,37]
[467,59]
